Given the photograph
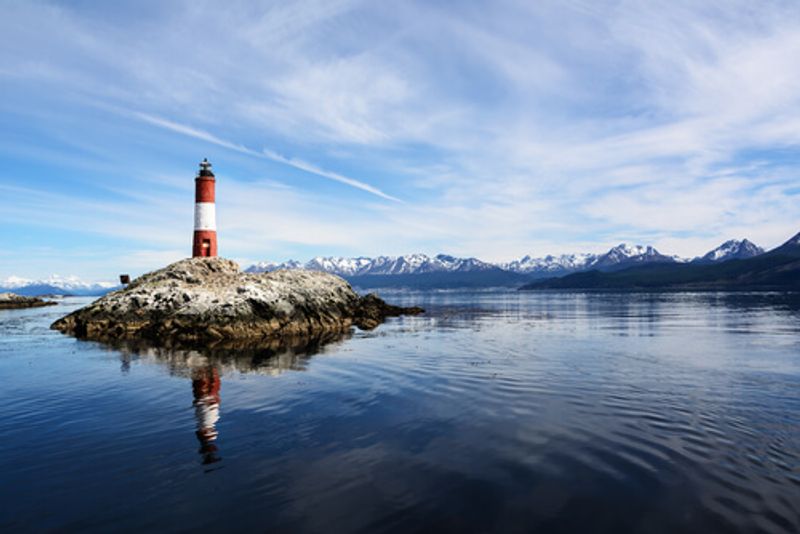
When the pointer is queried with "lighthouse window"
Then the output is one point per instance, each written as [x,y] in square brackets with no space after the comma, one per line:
[206,247]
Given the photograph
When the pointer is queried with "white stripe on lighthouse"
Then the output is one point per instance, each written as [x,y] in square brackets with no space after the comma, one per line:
[205,216]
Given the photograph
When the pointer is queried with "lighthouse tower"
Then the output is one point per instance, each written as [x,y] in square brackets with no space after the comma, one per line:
[205,213]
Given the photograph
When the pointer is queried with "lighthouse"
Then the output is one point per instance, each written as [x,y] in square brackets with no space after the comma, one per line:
[205,213]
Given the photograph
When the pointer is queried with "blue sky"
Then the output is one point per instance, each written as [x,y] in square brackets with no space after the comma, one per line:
[489,129]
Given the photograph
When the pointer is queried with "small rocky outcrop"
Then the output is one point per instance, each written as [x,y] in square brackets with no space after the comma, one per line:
[209,300]
[10,301]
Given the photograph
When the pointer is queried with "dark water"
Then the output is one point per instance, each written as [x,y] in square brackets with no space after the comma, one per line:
[495,412]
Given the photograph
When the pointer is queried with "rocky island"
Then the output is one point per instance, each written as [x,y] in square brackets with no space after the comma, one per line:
[209,300]
[12,301]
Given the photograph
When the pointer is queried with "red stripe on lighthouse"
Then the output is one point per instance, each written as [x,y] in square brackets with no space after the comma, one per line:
[204,189]
[204,243]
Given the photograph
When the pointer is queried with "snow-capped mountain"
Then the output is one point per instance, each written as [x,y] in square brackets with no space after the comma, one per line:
[555,265]
[733,249]
[623,256]
[382,265]
[420,264]
[619,257]
[340,266]
[55,285]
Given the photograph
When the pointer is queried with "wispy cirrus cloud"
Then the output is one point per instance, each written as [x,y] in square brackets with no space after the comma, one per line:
[265,153]
[313,169]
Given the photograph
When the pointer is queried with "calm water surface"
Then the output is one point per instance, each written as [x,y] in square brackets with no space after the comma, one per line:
[494,412]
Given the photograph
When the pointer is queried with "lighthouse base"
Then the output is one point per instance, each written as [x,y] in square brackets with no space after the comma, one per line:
[205,244]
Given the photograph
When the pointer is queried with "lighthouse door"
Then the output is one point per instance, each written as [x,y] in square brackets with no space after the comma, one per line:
[206,250]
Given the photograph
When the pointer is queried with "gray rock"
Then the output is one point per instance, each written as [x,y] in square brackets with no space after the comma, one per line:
[209,300]
[10,301]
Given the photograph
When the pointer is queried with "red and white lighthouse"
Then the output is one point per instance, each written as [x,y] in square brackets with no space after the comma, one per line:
[205,213]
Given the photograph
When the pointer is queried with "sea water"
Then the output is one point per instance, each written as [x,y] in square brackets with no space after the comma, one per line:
[496,411]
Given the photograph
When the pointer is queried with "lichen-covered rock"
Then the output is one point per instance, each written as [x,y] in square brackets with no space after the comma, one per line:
[9,301]
[209,300]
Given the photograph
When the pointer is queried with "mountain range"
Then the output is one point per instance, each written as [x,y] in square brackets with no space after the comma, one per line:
[55,285]
[413,270]
[444,271]
[778,269]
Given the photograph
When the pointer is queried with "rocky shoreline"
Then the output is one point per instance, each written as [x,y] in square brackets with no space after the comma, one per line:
[210,301]
[12,301]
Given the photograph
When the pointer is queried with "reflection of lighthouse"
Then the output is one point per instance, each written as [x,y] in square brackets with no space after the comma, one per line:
[205,387]
[205,216]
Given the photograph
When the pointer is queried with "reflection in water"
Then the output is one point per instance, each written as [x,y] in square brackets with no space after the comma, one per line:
[268,357]
[205,387]
[205,367]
